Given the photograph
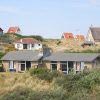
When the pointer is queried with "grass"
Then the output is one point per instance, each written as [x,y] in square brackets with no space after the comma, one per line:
[23,86]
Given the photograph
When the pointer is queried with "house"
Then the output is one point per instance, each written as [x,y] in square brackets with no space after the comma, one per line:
[87,44]
[80,37]
[28,44]
[67,36]
[67,62]
[1,31]
[22,60]
[94,35]
[14,30]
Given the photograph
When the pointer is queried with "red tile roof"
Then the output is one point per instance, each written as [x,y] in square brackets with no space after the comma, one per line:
[27,41]
[68,35]
[13,30]
[80,37]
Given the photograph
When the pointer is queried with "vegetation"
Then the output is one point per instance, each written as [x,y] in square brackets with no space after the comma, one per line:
[28,86]
[37,37]
[83,51]
[1,55]
[44,74]
[5,38]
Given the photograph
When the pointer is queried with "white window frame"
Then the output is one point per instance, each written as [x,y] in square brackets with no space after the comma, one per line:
[65,63]
[55,62]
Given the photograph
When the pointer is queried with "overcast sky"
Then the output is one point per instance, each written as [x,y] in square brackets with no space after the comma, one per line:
[49,18]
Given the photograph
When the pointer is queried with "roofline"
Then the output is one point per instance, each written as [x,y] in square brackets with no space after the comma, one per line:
[68,61]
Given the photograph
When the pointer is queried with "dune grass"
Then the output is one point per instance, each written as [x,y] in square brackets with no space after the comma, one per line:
[26,86]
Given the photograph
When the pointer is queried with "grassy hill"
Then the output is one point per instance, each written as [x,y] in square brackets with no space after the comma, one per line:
[69,46]
[51,86]
[54,44]
[7,40]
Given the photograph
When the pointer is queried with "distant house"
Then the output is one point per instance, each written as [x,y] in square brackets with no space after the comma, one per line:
[94,35]
[67,36]
[21,60]
[87,44]
[67,62]
[1,31]
[14,30]
[28,44]
[80,37]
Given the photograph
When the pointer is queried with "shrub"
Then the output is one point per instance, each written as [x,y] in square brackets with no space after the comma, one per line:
[58,42]
[44,74]
[37,71]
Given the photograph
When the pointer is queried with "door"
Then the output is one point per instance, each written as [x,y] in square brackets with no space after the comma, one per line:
[63,66]
[28,65]
[70,66]
[22,67]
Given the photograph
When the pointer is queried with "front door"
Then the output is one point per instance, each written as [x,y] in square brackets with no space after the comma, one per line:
[23,65]
[28,65]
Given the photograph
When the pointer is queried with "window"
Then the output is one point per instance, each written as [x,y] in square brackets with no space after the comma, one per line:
[18,45]
[11,65]
[23,65]
[79,66]
[39,44]
[63,66]
[53,65]
[24,46]
[32,45]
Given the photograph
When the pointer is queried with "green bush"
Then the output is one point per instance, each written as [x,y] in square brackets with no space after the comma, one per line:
[24,93]
[44,74]
[37,71]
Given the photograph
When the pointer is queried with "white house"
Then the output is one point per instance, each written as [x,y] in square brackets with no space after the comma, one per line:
[28,44]
[93,35]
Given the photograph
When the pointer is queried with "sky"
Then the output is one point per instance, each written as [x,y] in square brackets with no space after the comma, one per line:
[50,18]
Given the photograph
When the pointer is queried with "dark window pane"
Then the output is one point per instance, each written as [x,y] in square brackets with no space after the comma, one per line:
[63,67]
[54,66]
[24,46]
[22,67]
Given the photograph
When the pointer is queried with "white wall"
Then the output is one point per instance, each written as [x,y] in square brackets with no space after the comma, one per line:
[37,46]
[18,46]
